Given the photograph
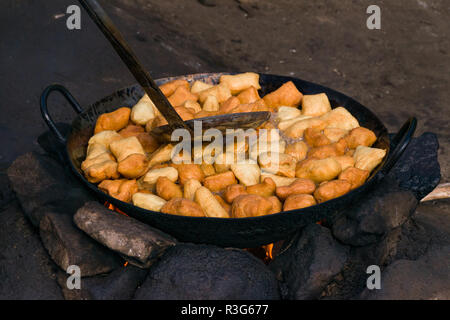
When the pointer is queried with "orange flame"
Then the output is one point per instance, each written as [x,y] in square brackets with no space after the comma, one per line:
[113,208]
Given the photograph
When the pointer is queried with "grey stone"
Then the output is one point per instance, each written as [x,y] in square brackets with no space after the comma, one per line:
[137,241]
[369,220]
[38,180]
[120,284]
[309,263]
[26,270]
[418,169]
[426,278]
[203,272]
[67,245]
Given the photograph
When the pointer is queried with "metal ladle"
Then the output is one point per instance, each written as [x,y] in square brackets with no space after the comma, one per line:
[221,122]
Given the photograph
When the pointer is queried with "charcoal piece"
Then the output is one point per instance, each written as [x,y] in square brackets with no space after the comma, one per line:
[120,284]
[26,270]
[418,169]
[201,272]
[133,239]
[309,262]
[370,219]
[426,278]
[38,181]
[67,245]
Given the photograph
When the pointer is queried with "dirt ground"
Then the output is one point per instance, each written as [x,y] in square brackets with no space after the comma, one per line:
[398,71]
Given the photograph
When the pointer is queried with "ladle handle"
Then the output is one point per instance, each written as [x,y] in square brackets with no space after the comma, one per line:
[99,16]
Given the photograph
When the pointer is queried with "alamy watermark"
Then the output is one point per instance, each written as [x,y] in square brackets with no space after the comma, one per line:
[74,280]
[374,280]
[73,22]
[374,20]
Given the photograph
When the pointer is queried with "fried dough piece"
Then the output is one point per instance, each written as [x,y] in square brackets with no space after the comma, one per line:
[193,106]
[249,95]
[210,205]
[223,203]
[152,175]
[126,147]
[131,131]
[132,161]
[208,169]
[211,104]
[115,120]
[234,191]
[99,164]
[332,189]
[190,187]
[143,111]
[318,170]
[133,166]
[286,95]
[297,129]
[334,134]
[181,95]
[258,105]
[286,113]
[298,150]
[148,142]
[205,114]
[278,163]
[277,206]
[355,176]
[251,206]
[221,92]
[220,181]
[188,171]
[122,190]
[315,105]
[299,201]
[182,207]
[105,138]
[299,186]
[345,161]
[285,124]
[315,137]
[162,154]
[340,118]
[367,158]
[199,86]
[264,189]
[247,173]
[148,201]
[360,137]
[167,189]
[264,145]
[279,180]
[228,105]
[239,82]
[169,88]
[330,150]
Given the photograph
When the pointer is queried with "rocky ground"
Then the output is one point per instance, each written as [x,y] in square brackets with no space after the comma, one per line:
[398,71]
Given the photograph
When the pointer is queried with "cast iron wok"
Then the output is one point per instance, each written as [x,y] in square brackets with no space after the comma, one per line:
[243,232]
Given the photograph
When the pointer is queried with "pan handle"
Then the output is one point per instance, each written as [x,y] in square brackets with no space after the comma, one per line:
[44,108]
[400,141]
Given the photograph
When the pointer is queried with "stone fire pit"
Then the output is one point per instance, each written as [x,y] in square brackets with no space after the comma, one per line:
[51,222]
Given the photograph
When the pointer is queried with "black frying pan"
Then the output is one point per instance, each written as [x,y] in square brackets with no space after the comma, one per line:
[242,232]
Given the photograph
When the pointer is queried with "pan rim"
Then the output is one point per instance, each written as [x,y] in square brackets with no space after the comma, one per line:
[375,176]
